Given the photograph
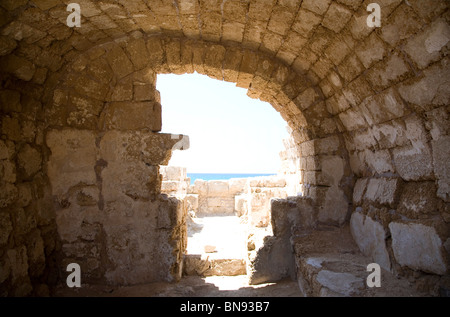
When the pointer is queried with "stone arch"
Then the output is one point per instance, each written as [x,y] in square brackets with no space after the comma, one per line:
[298,100]
[375,101]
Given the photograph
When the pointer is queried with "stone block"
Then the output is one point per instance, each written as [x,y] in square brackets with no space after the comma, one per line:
[413,162]
[144,92]
[237,185]
[383,190]
[218,189]
[334,206]
[11,128]
[173,173]
[336,17]
[29,161]
[119,62]
[122,91]
[383,107]
[8,194]
[370,237]
[10,101]
[429,91]
[340,284]
[132,116]
[316,6]
[359,190]
[138,52]
[6,228]
[241,204]
[418,199]
[72,160]
[306,21]
[418,247]
[18,66]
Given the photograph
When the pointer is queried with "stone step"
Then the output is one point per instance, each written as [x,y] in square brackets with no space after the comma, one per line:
[329,263]
[211,265]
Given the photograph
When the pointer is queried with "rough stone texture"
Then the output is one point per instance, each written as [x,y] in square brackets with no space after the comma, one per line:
[370,237]
[370,97]
[418,246]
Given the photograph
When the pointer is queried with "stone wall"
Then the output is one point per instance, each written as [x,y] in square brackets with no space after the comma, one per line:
[110,216]
[367,106]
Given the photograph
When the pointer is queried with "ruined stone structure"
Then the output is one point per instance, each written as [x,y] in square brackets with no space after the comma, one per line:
[80,148]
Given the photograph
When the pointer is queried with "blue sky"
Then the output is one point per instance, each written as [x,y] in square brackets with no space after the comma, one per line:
[229,132]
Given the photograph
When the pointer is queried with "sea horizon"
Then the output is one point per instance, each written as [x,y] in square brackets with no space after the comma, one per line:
[224,176]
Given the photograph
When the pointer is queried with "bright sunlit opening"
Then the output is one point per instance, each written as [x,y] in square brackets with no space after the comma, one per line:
[229,132]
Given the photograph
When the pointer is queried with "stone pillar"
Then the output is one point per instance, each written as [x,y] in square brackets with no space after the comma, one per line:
[110,215]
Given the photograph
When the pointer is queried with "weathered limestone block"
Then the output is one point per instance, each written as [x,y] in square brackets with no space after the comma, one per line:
[220,205]
[237,185]
[332,200]
[371,51]
[382,75]
[370,237]
[334,206]
[272,259]
[383,190]
[403,23]
[340,284]
[269,182]
[137,49]
[418,247]
[169,186]
[418,200]
[11,128]
[429,91]
[35,253]
[336,17]
[359,190]
[192,202]
[139,146]
[19,270]
[173,173]
[146,246]
[6,228]
[135,180]
[72,160]
[10,101]
[241,204]
[426,46]
[145,92]
[122,91]
[132,115]
[218,188]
